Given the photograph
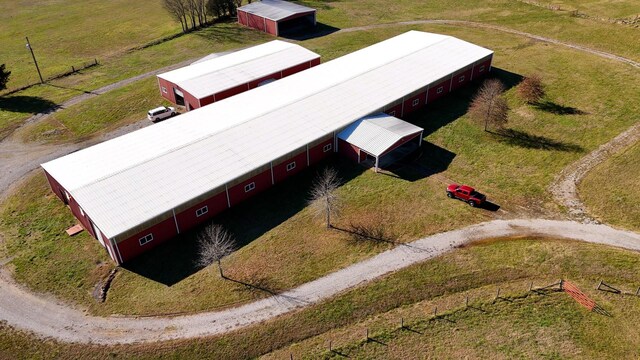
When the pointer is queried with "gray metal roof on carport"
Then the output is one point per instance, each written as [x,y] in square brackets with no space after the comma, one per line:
[275,10]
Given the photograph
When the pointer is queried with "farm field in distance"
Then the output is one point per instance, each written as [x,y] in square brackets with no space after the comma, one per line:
[281,245]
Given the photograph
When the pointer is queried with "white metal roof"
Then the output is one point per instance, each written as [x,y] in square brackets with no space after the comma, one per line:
[224,72]
[275,9]
[376,133]
[139,176]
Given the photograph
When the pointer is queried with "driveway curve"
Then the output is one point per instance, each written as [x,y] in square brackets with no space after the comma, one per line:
[28,311]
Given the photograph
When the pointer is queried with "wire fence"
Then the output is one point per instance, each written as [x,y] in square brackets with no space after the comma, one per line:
[72,70]
[479,305]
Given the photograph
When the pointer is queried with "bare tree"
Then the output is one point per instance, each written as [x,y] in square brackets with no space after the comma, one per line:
[214,243]
[324,199]
[4,77]
[178,10]
[531,89]
[489,105]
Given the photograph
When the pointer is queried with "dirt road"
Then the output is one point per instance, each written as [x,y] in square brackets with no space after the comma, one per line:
[47,318]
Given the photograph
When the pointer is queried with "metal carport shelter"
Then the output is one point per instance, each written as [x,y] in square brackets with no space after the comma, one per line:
[379,135]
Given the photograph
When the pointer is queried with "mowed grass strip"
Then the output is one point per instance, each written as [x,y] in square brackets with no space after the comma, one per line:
[551,325]
[610,190]
[282,246]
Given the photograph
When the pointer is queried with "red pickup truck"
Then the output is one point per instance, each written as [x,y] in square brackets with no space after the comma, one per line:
[466,194]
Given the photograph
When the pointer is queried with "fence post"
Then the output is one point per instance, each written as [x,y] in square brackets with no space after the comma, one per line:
[95,61]
[402,323]
[466,301]
[599,284]
[435,311]
[561,284]
[638,291]
[330,349]
[367,338]
[73,69]
[531,286]
[497,294]
[290,356]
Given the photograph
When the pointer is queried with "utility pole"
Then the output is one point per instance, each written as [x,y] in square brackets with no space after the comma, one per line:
[34,60]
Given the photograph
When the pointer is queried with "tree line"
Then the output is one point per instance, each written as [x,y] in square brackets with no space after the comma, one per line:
[193,14]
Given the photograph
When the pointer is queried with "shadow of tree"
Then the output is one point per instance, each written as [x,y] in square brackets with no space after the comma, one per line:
[529,141]
[554,108]
[26,104]
[257,287]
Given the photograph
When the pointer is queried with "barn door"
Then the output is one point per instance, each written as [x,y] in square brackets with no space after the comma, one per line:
[98,233]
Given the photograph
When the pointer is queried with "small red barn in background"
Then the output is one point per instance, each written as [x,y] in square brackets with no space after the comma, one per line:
[276,17]
[220,77]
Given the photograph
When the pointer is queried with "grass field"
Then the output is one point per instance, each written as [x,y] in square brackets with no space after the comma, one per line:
[283,247]
[338,14]
[599,8]
[70,32]
[535,326]
[609,189]
[17,107]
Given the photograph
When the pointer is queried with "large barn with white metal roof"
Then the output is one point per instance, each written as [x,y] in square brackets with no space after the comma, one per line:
[218,78]
[276,17]
[141,189]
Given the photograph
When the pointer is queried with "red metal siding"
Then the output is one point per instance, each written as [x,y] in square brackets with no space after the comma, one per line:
[315,62]
[255,22]
[461,79]
[479,72]
[295,69]
[271,27]
[56,187]
[230,92]
[433,90]
[280,171]
[187,219]
[254,84]
[395,111]
[191,100]
[262,182]
[348,150]
[317,152]
[206,100]
[130,247]
[242,17]
[409,107]
[84,220]
[169,95]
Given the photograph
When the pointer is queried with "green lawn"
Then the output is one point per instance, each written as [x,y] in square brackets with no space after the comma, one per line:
[609,190]
[66,33]
[282,246]
[535,326]
[17,107]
